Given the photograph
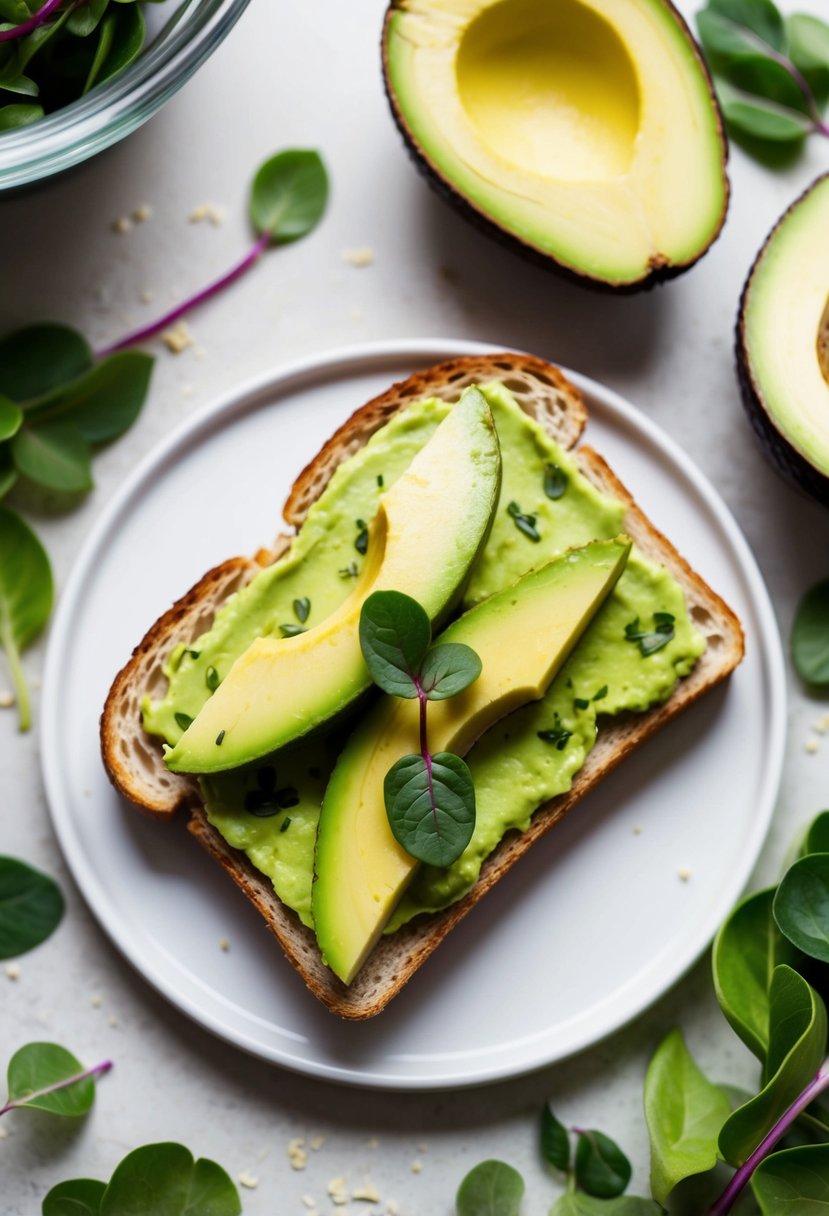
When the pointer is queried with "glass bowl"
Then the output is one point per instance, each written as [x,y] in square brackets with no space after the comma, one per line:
[180,36]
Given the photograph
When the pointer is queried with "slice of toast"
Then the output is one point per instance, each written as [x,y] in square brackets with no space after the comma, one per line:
[134,760]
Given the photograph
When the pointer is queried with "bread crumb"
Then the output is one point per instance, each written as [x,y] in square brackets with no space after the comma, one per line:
[6,699]
[186,390]
[367,1194]
[684,874]
[248,1180]
[297,1154]
[13,971]
[637,831]
[122,225]
[364,256]
[309,1201]
[96,1000]
[391,1208]
[316,1143]
[207,211]
[224,944]
[112,1020]
[337,1190]
[3,1133]
[373,1142]
[810,746]
[142,213]
[822,725]
[147,297]
[416,1167]
[178,338]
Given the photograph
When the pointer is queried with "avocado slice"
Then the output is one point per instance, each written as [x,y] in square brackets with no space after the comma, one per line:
[584,132]
[428,530]
[783,343]
[522,636]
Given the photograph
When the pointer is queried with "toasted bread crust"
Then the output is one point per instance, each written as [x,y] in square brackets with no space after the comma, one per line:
[397,957]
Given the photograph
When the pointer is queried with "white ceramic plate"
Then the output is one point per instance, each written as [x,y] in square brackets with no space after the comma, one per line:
[594,923]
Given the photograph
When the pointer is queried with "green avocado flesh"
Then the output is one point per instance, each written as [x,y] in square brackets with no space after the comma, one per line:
[510,782]
[423,540]
[585,128]
[785,326]
[522,636]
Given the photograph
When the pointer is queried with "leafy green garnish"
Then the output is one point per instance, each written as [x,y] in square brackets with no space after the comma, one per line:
[25,599]
[771,74]
[31,907]
[361,539]
[430,799]
[289,195]
[45,1076]
[302,609]
[523,522]
[601,1168]
[810,637]
[555,481]
[651,640]
[183,720]
[81,1197]
[211,678]
[492,1188]
[556,734]
[290,630]
[555,1142]
[793,1182]
[801,906]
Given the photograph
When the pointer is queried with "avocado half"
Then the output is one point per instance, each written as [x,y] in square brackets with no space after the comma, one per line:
[583,132]
[782,343]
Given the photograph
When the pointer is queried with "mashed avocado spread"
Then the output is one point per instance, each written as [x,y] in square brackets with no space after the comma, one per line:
[270,811]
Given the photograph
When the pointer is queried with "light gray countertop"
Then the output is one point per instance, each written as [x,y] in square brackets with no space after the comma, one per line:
[308,75]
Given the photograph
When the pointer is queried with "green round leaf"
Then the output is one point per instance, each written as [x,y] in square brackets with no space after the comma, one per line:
[751,22]
[39,358]
[25,597]
[11,417]
[104,402]
[289,195]
[394,636]
[431,814]
[31,907]
[555,1142]
[801,905]
[810,636]
[761,119]
[797,1044]
[602,1169]
[817,837]
[746,951]
[79,1197]
[85,17]
[448,669]
[794,1182]
[19,114]
[55,456]
[122,46]
[165,1180]
[8,473]
[39,1068]
[684,1112]
[492,1188]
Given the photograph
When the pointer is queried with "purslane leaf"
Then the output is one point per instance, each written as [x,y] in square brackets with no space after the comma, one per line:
[55,456]
[801,905]
[492,1188]
[39,358]
[817,837]
[758,17]
[103,403]
[602,1169]
[793,1182]
[808,39]
[810,636]
[289,195]
[31,907]
[165,1180]
[37,1069]
[431,808]
[11,418]
[555,1142]
[78,1197]
[19,115]
[797,1043]
[448,669]
[26,594]
[684,1112]
[761,119]
[746,951]
[394,636]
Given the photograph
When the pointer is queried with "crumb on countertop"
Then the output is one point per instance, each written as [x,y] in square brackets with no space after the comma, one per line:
[142,213]
[810,746]
[366,1194]
[250,1181]
[13,971]
[417,1166]
[361,257]
[224,944]
[96,1000]
[684,874]
[122,225]
[6,699]
[207,211]
[178,337]
[309,1201]
[297,1154]
[338,1191]
[316,1143]
[373,1142]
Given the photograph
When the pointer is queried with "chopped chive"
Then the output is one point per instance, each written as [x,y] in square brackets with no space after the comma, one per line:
[220,738]
[523,522]
[380,481]
[651,641]
[302,608]
[211,678]
[580,703]
[183,720]
[556,734]
[555,481]
[285,824]
[601,694]
[361,539]
[291,631]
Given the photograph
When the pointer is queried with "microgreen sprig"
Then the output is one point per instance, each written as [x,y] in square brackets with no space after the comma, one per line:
[430,798]
[45,1076]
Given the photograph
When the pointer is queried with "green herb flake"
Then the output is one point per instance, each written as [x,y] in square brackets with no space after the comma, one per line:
[290,630]
[580,703]
[601,694]
[361,539]
[650,641]
[183,720]
[380,481]
[349,571]
[220,738]
[211,679]
[523,522]
[194,654]
[285,824]
[262,803]
[556,734]
[555,481]
[302,609]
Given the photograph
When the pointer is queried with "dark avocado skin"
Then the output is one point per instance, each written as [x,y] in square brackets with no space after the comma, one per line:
[786,458]
[659,271]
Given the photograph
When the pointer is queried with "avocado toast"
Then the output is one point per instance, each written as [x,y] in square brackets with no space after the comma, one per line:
[537,391]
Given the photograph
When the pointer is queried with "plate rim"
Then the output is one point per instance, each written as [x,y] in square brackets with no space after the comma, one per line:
[369,356]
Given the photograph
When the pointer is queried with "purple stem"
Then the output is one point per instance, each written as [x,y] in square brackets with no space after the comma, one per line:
[424,749]
[98,1070]
[805,88]
[26,27]
[743,1174]
[149,331]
